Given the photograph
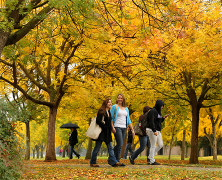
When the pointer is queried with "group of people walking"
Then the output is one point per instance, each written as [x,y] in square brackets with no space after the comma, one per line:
[115,119]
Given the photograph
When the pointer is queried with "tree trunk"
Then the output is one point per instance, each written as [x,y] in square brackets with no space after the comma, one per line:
[3,40]
[37,150]
[27,149]
[89,150]
[50,148]
[42,150]
[195,132]
[171,145]
[214,142]
[183,145]
[33,153]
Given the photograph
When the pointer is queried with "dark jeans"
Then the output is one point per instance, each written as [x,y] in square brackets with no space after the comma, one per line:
[73,151]
[144,141]
[112,159]
[128,148]
[119,136]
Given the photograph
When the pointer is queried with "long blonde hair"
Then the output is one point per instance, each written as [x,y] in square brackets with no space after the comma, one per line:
[124,101]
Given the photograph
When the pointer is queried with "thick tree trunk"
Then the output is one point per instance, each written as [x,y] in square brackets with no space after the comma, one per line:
[27,149]
[194,138]
[214,142]
[50,148]
[3,40]
[183,145]
[89,150]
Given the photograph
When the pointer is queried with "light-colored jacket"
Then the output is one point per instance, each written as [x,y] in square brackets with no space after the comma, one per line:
[112,111]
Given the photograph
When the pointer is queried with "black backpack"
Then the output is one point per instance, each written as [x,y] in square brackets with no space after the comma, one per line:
[144,123]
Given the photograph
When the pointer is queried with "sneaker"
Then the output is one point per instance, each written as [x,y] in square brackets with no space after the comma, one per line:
[148,161]
[94,165]
[155,163]
[131,161]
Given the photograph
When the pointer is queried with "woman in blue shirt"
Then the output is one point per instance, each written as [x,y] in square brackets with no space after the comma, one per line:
[120,122]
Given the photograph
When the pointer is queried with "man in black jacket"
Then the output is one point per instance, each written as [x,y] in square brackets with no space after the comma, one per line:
[73,141]
[153,130]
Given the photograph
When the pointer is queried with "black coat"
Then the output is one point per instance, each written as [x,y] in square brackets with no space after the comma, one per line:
[73,140]
[105,134]
[154,117]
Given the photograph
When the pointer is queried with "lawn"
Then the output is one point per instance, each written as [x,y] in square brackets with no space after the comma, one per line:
[64,168]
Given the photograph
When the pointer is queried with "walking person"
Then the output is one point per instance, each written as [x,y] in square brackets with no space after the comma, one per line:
[144,141]
[129,144]
[73,140]
[103,119]
[120,122]
[153,130]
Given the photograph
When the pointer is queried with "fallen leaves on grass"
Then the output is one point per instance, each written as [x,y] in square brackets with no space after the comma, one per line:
[80,169]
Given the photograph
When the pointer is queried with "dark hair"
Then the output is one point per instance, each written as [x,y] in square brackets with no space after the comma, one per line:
[146,109]
[124,102]
[102,109]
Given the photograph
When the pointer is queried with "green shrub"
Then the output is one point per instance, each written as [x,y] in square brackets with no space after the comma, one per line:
[10,153]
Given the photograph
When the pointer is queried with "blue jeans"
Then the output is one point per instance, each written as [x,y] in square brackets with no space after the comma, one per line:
[73,151]
[128,148]
[119,136]
[144,141]
[112,159]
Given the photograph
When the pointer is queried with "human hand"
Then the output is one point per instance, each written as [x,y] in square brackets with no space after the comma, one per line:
[165,116]
[155,133]
[133,133]
[114,130]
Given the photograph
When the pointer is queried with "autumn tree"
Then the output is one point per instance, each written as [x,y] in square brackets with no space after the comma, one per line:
[18,18]
[184,62]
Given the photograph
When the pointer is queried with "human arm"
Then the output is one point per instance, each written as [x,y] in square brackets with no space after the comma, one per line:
[113,128]
[99,121]
[131,127]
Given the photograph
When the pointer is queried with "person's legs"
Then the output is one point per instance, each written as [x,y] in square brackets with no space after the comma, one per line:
[143,141]
[153,139]
[95,152]
[112,158]
[119,136]
[71,151]
[126,150]
[75,152]
[130,149]
[159,142]
[148,149]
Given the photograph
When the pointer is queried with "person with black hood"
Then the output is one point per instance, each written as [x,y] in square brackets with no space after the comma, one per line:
[153,130]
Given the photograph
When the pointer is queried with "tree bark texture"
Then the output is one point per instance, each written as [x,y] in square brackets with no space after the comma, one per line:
[3,40]
[50,148]
[183,145]
[27,149]
[194,139]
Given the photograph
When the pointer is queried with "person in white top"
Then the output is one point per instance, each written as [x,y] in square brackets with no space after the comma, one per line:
[120,122]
